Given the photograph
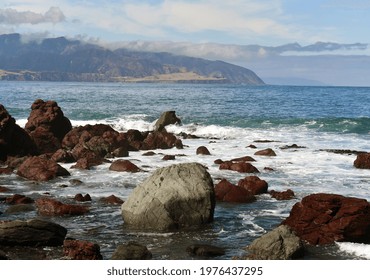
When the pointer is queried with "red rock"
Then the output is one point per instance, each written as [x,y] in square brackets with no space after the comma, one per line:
[88,162]
[82,198]
[242,167]
[99,139]
[52,207]
[19,199]
[112,200]
[41,169]
[161,140]
[245,158]
[362,161]
[228,192]
[124,166]
[45,140]
[326,218]
[14,141]
[284,195]
[169,157]
[267,152]
[6,171]
[63,156]
[81,250]
[149,154]
[253,184]
[202,150]
[4,189]
[218,161]
[47,125]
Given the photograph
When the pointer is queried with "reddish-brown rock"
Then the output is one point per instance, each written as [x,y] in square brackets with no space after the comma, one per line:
[124,166]
[362,161]
[112,199]
[228,192]
[14,141]
[47,125]
[284,195]
[81,250]
[169,157]
[326,218]
[100,140]
[253,184]
[161,140]
[63,156]
[4,189]
[52,207]
[245,158]
[82,198]
[19,199]
[6,171]
[267,152]
[202,150]
[242,167]
[41,169]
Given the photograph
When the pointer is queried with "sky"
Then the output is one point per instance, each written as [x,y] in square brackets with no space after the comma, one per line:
[242,22]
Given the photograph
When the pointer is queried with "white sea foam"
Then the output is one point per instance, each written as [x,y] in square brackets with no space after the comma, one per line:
[357,249]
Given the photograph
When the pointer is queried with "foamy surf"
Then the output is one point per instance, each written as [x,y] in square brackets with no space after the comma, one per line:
[357,249]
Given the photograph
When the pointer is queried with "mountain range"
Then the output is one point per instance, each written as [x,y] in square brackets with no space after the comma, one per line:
[62,59]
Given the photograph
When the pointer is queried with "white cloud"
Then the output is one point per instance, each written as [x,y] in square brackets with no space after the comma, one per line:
[14,17]
[237,17]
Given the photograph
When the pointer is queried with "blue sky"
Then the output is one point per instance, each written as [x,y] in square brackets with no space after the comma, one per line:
[242,22]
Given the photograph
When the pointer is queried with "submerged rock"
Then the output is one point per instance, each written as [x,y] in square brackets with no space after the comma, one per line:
[124,166]
[131,251]
[241,167]
[202,150]
[267,152]
[204,250]
[51,207]
[173,197]
[31,233]
[81,250]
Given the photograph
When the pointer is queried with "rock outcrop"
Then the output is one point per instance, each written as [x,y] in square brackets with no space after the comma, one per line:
[362,161]
[47,125]
[165,119]
[326,218]
[14,141]
[173,197]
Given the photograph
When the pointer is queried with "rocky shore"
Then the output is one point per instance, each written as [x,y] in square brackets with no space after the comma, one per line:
[175,198]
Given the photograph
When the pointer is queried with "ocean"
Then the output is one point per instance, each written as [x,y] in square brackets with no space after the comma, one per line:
[228,118]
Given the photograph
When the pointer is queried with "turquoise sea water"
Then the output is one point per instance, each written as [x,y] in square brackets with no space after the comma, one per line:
[234,116]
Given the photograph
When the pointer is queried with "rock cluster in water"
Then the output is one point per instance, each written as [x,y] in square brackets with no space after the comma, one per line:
[177,197]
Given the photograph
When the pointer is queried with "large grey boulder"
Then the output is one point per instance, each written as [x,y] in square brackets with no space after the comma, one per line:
[173,197]
[278,244]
